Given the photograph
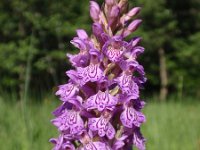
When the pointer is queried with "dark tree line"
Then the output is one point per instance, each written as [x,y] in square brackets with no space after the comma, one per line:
[35,35]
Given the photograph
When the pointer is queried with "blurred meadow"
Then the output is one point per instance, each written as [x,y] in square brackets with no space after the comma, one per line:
[35,37]
[170,125]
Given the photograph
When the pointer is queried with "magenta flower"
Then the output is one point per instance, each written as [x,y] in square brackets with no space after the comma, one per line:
[101,101]
[101,105]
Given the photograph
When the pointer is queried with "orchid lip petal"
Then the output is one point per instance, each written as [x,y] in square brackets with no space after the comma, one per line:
[82,34]
[101,101]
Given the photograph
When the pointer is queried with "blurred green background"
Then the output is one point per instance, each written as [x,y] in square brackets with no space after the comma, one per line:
[34,40]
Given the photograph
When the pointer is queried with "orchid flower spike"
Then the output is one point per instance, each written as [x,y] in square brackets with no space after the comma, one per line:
[101,107]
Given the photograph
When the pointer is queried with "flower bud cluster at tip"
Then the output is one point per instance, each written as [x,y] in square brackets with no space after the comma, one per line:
[101,105]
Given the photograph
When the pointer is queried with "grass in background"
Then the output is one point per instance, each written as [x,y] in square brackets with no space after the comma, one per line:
[170,126]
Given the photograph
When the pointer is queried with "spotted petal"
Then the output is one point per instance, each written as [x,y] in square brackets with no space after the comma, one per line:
[128,85]
[69,120]
[79,76]
[101,101]
[110,131]
[61,143]
[103,126]
[138,140]
[94,72]
[130,117]
[114,48]
[95,146]
[114,54]
[90,73]
[79,60]
[67,91]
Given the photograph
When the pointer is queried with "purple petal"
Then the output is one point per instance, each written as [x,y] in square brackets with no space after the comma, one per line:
[103,127]
[133,12]
[82,34]
[114,54]
[97,29]
[75,122]
[58,143]
[137,51]
[67,91]
[110,131]
[95,146]
[114,48]
[69,120]
[60,110]
[109,2]
[128,85]
[119,143]
[61,143]
[92,124]
[132,27]
[94,10]
[68,146]
[73,75]
[105,37]
[78,43]
[79,60]
[94,73]
[101,101]
[133,43]
[114,12]
[96,56]
[138,140]
[130,117]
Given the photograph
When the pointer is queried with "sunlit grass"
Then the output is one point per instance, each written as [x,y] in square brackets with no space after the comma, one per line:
[170,126]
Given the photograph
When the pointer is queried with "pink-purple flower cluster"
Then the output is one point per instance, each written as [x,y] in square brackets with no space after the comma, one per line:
[101,105]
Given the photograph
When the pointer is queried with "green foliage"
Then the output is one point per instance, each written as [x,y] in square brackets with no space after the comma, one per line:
[188,55]
[170,126]
[42,30]
[173,26]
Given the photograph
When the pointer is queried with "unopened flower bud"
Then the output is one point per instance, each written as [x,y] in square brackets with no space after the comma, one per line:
[134,25]
[114,12]
[94,10]
[97,29]
[123,5]
[133,12]
[110,2]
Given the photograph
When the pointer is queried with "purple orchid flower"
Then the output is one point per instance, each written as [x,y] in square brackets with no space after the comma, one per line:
[70,121]
[114,48]
[101,105]
[62,143]
[95,146]
[67,91]
[130,117]
[102,126]
[101,101]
